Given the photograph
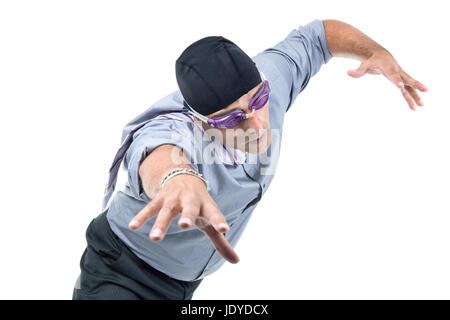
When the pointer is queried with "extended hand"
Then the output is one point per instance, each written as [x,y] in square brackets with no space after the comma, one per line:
[384,63]
[188,195]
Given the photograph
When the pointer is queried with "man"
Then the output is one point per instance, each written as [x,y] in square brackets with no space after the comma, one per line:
[200,159]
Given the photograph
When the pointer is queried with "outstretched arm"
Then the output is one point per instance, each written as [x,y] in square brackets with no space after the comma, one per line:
[183,194]
[344,40]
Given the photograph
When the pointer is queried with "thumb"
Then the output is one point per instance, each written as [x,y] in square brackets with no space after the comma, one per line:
[362,70]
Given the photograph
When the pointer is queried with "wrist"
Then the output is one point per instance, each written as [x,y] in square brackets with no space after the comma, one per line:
[183,171]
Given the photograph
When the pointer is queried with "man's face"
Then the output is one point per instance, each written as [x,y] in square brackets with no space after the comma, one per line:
[251,135]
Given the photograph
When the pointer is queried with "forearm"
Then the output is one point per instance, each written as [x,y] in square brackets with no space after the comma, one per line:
[157,164]
[344,40]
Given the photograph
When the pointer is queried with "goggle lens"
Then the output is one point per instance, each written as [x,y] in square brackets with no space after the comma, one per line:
[233,118]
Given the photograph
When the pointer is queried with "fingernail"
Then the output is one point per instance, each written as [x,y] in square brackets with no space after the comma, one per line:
[133,224]
[156,233]
[186,221]
[401,84]
[223,226]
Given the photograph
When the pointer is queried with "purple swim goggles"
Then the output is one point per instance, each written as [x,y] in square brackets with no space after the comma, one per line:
[233,118]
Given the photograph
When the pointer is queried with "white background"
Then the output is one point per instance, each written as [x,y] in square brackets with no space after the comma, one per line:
[359,207]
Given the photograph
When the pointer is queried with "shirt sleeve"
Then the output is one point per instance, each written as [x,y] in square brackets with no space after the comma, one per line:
[299,57]
[150,136]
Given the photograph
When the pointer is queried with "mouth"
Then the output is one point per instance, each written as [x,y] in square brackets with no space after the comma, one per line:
[257,140]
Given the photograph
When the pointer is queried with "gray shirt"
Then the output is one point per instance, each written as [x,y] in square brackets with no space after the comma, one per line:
[237,180]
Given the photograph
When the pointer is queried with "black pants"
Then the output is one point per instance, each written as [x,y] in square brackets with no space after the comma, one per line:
[109,270]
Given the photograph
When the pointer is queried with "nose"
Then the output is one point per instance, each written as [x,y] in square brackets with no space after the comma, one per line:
[254,123]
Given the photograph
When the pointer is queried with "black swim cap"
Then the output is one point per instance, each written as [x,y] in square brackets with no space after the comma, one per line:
[213,72]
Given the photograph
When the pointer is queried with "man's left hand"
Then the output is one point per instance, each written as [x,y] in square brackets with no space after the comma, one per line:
[382,62]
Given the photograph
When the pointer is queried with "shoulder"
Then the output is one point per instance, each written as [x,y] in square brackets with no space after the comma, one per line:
[174,124]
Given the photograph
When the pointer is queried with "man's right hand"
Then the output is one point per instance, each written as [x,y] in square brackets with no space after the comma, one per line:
[186,194]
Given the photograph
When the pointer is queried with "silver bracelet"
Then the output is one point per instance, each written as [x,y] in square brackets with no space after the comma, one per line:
[174,172]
